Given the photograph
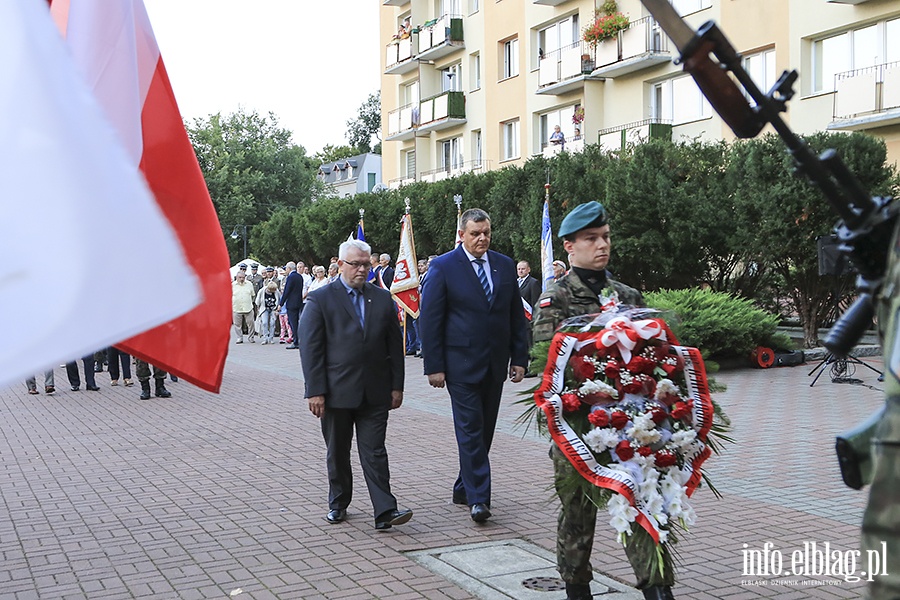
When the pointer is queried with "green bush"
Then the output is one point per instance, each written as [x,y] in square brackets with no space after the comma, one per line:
[720,324]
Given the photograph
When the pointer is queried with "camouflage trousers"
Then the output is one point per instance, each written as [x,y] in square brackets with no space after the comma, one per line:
[881,521]
[575,536]
[143,371]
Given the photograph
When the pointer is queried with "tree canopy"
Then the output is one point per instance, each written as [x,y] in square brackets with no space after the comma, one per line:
[366,125]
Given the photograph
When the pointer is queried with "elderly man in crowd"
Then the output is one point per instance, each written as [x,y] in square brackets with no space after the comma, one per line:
[242,298]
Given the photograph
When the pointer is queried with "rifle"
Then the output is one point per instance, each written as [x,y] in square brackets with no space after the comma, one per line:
[866,223]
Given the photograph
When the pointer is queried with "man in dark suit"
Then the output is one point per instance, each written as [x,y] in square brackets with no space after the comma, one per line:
[530,290]
[473,336]
[353,361]
[292,298]
[385,271]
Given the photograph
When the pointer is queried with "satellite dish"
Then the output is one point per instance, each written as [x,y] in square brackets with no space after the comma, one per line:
[379,187]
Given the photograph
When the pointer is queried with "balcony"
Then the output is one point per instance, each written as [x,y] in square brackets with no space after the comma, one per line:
[566,69]
[402,122]
[395,2]
[477,166]
[640,46]
[617,138]
[393,184]
[867,98]
[443,111]
[440,37]
[550,2]
[574,145]
[399,57]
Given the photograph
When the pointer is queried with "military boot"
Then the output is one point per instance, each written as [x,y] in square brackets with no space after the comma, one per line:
[658,592]
[145,390]
[161,391]
[578,591]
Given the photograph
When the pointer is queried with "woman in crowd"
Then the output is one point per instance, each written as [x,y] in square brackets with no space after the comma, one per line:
[319,279]
[267,304]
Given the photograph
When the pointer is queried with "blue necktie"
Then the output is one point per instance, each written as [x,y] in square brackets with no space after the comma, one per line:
[482,277]
[357,304]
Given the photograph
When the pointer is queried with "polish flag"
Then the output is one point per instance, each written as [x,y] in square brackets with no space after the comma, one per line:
[405,287]
[115,50]
[89,257]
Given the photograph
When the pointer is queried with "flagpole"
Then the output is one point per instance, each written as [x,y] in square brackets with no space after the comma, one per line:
[458,199]
[546,238]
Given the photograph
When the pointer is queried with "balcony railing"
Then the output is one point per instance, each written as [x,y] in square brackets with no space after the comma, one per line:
[576,144]
[441,111]
[452,171]
[639,46]
[440,37]
[402,122]
[398,57]
[568,62]
[616,138]
[870,94]
[401,181]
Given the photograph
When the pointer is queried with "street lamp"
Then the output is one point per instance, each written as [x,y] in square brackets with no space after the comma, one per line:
[235,235]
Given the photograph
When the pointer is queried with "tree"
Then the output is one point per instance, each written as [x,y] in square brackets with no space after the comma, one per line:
[252,169]
[366,125]
[331,153]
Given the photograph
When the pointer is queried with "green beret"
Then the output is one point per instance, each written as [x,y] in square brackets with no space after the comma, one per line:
[589,214]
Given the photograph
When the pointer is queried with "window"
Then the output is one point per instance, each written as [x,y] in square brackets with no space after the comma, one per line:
[510,60]
[561,117]
[476,147]
[686,7]
[855,49]
[761,67]
[370,182]
[410,162]
[679,100]
[473,6]
[451,78]
[510,136]
[451,154]
[475,72]
[561,34]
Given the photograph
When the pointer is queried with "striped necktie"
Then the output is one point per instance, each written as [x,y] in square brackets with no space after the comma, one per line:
[482,277]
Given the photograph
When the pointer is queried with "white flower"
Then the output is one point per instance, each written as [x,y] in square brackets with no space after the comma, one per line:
[621,512]
[663,535]
[644,430]
[665,386]
[597,387]
[599,439]
[684,439]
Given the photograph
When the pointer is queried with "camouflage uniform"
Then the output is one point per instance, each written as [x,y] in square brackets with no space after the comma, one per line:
[881,521]
[143,371]
[568,297]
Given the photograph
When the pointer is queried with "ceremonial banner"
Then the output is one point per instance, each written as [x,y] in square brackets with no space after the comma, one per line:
[546,248]
[89,257]
[405,287]
[115,50]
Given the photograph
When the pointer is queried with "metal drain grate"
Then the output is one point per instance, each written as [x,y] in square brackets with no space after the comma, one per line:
[544,584]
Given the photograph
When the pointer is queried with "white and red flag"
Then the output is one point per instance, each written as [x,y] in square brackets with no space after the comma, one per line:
[405,287]
[115,50]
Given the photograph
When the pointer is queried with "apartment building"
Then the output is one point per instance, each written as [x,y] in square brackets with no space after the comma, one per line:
[473,85]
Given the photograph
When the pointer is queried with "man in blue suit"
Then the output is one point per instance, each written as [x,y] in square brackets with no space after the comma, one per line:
[292,298]
[473,335]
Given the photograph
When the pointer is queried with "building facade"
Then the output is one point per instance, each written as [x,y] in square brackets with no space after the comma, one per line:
[473,85]
[354,175]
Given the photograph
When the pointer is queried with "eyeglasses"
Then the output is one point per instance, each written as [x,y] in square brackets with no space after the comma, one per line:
[357,265]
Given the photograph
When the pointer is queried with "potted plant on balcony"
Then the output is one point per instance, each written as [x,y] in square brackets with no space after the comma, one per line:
[602,33]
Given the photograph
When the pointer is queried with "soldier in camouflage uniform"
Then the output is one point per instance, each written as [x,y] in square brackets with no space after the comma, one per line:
[143,375]
[881,521]
[585,232]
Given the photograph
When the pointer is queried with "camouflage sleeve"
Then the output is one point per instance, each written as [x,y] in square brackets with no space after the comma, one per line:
[628,295]
[549,313]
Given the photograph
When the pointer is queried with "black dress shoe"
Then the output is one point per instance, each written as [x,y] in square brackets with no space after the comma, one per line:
[336,516]
[92,388]
[578,591]
[391,518]
[75,388]
[480,512]
[658,592]
[460,499]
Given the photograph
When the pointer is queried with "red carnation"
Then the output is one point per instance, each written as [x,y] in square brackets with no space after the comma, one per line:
[669,399]
[599,418]
[640,364]
[680,410]
[618,419]
[598,398]
[583,368]
[571,402]
[624,450]
[661,350]
[635,386]
[612,369]
[669,369]
[658,415]
[645,451]
[665,458]
[649,386]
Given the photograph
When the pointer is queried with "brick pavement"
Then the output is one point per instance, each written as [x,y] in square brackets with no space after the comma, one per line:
[106,496]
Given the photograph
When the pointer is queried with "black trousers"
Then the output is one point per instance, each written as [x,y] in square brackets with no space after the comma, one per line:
[370,423]
[293,315]
[72,372]
[114,356]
